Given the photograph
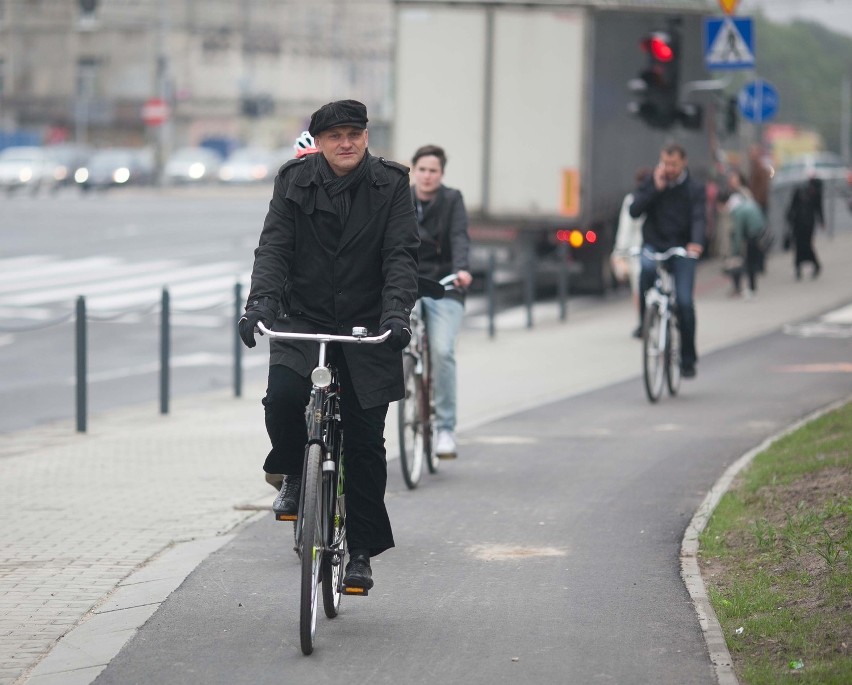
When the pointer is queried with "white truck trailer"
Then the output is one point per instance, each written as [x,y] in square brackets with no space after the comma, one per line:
[530,101]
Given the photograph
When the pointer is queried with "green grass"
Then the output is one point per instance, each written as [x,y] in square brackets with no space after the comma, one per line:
[777,558]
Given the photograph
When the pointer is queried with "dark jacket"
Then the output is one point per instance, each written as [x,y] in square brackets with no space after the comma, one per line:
[674,216]
[444,241]
[371,276]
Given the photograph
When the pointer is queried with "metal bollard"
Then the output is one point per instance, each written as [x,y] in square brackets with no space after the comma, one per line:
[490,294]
[529,285]
[81,364]
[164,353]
[562,279]
[238,347]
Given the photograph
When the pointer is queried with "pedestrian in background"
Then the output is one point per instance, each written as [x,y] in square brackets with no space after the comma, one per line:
[803,214]
[444,249]
[338,249]
[628,242]
[747,224]
[675,216]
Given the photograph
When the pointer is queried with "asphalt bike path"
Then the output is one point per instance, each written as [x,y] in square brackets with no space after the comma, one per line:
[547,553]
[146,498]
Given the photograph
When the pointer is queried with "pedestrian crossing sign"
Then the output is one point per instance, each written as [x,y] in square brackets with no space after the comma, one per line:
[728,43]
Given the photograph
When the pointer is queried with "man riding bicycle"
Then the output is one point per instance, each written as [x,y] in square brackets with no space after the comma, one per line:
[444,249]
[674,208]
[338,249]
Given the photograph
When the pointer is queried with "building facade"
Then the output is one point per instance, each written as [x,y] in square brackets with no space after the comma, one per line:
[245,70]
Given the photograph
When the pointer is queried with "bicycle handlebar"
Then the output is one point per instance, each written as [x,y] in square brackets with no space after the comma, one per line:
[323,337]
[663,256]
[448,280]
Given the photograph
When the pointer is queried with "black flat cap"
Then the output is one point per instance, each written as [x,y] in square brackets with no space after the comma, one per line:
[339,113]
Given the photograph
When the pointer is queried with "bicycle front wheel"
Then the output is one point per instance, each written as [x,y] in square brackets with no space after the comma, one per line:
[311,547]
[673,356]
[411,443]
[332,562]
[653,351]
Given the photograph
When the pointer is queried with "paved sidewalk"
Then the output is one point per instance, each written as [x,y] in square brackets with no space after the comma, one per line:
[95,529]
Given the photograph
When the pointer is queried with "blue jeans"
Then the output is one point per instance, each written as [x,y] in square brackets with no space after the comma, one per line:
[683,270]
[443,321]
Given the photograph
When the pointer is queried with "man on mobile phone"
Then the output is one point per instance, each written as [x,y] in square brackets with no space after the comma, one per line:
[674,208]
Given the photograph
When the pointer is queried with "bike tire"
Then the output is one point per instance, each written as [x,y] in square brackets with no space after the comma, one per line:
[411,438]
[332,563]
[426,406]
[311,548]
[673,356]
[653,352]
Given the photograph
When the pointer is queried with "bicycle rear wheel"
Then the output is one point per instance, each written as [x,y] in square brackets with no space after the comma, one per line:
[673,356]
[332,562]
[312,547]
[653,351]
[411,439]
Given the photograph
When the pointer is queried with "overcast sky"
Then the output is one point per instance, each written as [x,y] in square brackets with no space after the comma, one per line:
[836,14]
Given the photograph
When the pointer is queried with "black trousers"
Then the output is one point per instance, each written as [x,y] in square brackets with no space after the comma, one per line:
[365,464]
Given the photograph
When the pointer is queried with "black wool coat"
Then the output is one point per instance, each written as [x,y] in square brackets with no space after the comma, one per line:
[369,277]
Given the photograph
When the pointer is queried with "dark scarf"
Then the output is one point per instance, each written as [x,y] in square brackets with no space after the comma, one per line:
[339,187]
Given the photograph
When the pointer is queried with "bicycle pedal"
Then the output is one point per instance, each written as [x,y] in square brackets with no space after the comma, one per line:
[448,456]
[285,517]
[361,591]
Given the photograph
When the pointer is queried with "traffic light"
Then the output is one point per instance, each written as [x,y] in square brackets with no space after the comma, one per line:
[656,87]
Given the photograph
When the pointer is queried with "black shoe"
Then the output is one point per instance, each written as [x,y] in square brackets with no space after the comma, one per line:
[687,370]
[637,333]
[287,502]
[358,571]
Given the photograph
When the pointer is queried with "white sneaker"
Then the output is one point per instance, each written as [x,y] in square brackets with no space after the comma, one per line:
[445,445]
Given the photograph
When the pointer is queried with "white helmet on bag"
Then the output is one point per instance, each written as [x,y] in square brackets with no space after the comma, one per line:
[304,145]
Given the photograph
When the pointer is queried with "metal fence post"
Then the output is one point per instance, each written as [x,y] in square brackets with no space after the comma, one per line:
[81,364]
[490,294]
[238,347]
[529,285]
[562,279]
[164,353]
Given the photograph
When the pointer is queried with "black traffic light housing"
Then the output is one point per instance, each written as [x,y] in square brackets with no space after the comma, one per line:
[657,85]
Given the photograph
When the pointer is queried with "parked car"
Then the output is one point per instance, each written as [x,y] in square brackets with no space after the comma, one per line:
[117,167]
[249,165]
[823,165]
[192,165]
[26,167]
[68,158]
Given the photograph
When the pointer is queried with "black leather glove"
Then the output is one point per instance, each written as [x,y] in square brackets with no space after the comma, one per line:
[400,333]
[253,315]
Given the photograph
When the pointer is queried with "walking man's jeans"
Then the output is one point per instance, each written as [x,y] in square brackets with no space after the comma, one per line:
[683,269]
[287,394]
[443,321]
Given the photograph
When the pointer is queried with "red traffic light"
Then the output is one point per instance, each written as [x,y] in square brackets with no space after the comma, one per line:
[659,46]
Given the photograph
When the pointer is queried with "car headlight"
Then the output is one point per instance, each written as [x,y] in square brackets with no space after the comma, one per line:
[25,174]
[121,175]
[196,170]
[81,175]
[60,173]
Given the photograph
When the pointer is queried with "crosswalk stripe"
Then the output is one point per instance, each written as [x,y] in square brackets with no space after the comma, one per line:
[220,289]
[11,267]
[160,279]
[34,274]
[80,279]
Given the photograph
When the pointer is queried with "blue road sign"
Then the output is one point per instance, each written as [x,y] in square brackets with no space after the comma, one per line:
[728,43]
[758,101]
